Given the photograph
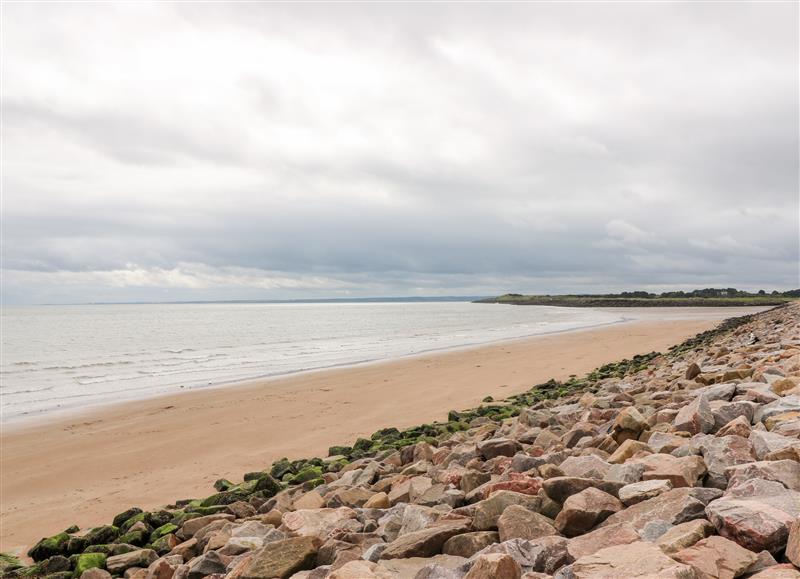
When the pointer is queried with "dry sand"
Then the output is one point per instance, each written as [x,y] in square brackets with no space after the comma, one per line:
[85,469]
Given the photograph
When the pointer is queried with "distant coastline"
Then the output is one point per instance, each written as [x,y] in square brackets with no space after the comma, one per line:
[367,300]
[712,297]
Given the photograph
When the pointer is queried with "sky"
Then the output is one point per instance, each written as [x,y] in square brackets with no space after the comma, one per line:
[202,151]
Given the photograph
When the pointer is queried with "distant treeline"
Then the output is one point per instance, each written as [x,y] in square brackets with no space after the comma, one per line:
[702,297]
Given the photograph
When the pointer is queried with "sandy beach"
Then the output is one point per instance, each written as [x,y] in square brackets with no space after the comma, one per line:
[83,469]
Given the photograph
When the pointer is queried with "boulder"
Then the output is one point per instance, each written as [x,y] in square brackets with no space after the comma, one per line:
[49,547]
[494,566]
[738,427]
[719,453]
[426,542]
[716,392]
[793,543]
[590,466]
[642,491]
[518,482]
[282,559]
[593,541]
[560,488]
[354,497]
[674,507]
[717,557]
[665,442]
[102,535]
[779,406]
[87,561]
[488,511]
[206,564]
[786,472]
[436,567]
[191,526]
[468,544]
[517,522]
[628,424]
[696,417]
[495,447]
[756,514]
[546,554]
[319,522]
[767,442]
[741,411]
[625,473]
[684,535]
[628,449]
[164,568]
[139,558]
[417,517]
[359,570]
[378,501]
[692,372]
[778,572]
[584,510]
[631,561]
[686,471]
[309,500]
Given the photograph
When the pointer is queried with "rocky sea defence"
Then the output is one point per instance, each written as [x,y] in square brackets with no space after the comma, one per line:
[684,464]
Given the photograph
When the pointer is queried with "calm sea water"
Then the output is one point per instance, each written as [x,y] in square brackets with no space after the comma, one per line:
[69,357]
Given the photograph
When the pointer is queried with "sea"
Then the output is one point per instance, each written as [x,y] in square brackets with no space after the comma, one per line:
[61,358]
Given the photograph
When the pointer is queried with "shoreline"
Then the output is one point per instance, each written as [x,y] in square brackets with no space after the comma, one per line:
[154,451]
[25,421]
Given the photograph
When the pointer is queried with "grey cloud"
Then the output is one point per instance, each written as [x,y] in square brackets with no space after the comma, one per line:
[398,148]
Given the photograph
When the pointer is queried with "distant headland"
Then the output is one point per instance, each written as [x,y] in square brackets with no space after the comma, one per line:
[710,297]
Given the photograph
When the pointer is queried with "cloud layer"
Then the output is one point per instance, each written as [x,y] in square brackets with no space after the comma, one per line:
[206,151]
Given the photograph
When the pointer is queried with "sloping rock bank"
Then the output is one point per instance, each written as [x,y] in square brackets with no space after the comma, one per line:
[682,465]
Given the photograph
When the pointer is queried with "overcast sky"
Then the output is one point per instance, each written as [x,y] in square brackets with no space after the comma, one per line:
[223,151]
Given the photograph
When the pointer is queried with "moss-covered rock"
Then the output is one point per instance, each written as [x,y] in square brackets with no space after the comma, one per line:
[386,434]
[55,564]
[362,444]
[337,450]
[267,486]
[279,468]
[163,545]
[125,515]
[307,474]
[336,465]
[142,516]
[163,530]
[102,535]
[9,562]
[212,510]
[223,498]
[181,517]
[155,519]
[48,547]
[137,538]
[222,484]
[89,561]
[29,571]
[76,545]
[111,549]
